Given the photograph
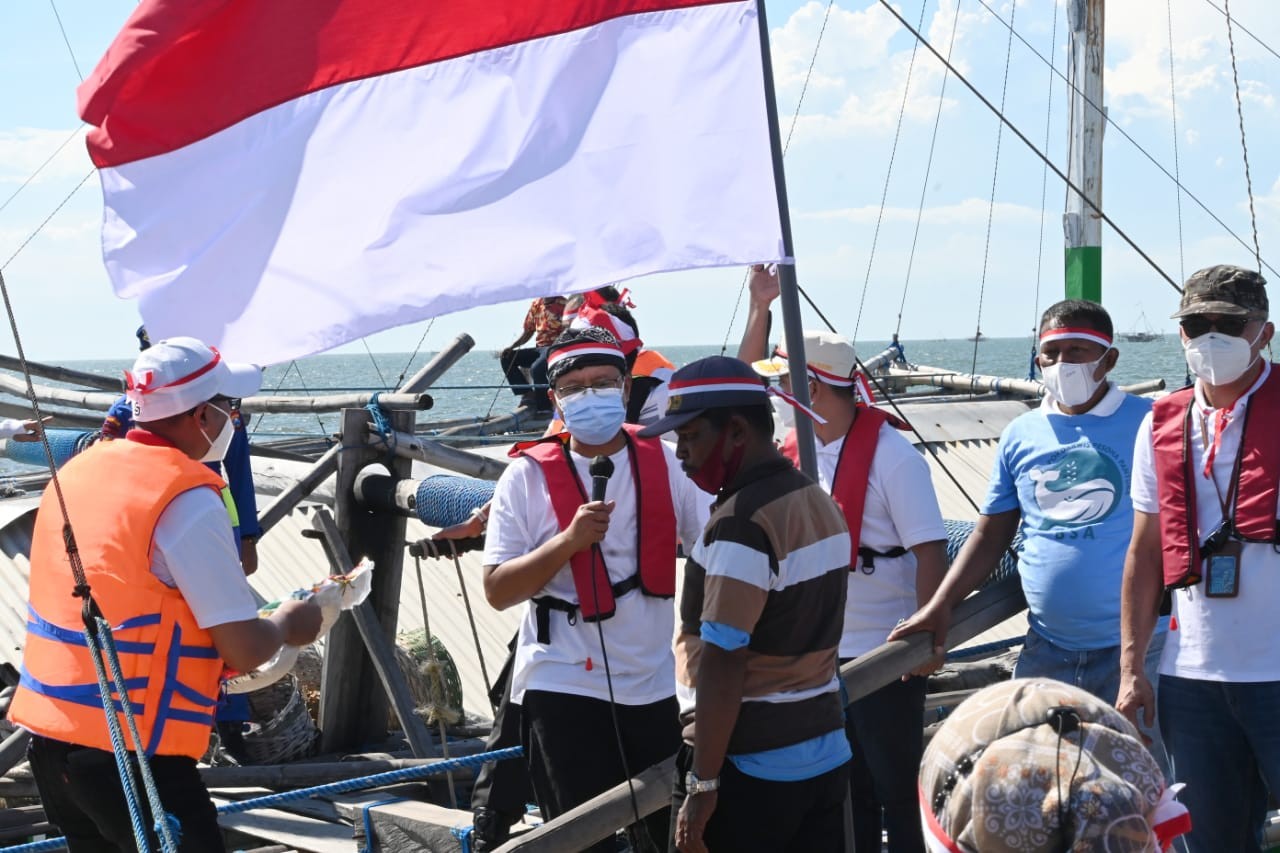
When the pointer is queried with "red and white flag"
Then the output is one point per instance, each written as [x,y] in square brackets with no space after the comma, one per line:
[283,176]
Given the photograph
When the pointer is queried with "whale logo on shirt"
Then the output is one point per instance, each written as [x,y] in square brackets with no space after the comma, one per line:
[1083,487]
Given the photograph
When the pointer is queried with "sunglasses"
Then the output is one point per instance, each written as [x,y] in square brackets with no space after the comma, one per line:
[1197,325]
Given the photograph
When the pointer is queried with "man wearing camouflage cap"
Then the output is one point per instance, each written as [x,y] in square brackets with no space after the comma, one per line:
[1206,479]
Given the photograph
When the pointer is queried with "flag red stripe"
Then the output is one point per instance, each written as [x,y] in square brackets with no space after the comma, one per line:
[181,70]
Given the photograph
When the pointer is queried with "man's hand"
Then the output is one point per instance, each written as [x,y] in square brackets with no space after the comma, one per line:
[249,555]
[589,525]
[33,429]
[932,618]
[691,822]
[469,529]
[298,621]
[763,284]
[1135,693]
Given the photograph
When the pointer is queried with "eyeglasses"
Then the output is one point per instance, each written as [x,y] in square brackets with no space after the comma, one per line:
[603,386]
[1198,324]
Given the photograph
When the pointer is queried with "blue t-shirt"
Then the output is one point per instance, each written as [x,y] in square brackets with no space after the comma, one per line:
[1069,475]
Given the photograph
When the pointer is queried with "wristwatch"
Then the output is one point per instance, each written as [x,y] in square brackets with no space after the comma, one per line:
[694,785]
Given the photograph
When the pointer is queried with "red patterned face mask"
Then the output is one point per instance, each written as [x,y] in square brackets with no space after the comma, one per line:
[716,472]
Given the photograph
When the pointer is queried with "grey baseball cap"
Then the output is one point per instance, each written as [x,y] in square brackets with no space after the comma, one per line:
[1224,289]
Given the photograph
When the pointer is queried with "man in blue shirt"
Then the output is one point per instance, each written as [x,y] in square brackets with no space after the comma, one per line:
[1062,474]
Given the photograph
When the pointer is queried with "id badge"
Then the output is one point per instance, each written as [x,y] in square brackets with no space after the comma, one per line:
[1222,574]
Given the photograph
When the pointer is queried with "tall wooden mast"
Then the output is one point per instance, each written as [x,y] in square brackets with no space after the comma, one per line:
[1083,226]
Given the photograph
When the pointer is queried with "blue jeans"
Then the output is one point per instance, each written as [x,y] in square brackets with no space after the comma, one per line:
[1094,670]
[1224,743]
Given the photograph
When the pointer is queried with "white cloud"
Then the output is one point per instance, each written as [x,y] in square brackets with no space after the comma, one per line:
[24,149]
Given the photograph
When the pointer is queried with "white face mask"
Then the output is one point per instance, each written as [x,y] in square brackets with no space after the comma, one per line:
[785,411]
[1220,359]
[1072,384]
[218,446]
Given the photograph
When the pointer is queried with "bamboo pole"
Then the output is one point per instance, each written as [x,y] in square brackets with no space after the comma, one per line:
[291,497]
[333,403]
[61,419]
[434,453]
[65,374]
[434,369]
[97,400]
[974,382]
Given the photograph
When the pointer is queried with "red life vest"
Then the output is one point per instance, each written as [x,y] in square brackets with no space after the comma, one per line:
[655,523]
[1257,471]
[853,470]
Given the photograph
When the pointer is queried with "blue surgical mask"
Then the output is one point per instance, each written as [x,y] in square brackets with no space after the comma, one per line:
[594,417]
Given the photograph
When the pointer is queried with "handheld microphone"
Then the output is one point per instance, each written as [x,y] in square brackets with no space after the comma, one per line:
[601,470]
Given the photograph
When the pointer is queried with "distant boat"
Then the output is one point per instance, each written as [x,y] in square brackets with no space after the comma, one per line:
[1141,335]
[978,337]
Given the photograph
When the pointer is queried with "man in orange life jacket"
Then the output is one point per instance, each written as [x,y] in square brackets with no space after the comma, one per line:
[1206,482]
[883,486]
[164,569]
[586,570]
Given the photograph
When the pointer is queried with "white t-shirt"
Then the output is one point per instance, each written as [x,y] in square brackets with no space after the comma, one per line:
[194,552]
[638,637]
[1216,639]
[900,509]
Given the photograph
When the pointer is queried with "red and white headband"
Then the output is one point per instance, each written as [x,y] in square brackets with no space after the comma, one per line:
[1076,333]
[585,348]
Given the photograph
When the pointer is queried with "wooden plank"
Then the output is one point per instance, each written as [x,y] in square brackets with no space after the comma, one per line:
[295,831]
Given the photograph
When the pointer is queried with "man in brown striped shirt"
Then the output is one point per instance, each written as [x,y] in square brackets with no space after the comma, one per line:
[760,624]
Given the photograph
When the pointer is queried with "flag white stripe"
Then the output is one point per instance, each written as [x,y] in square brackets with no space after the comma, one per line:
[502,175]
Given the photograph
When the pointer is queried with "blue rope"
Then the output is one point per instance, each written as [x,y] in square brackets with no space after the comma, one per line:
[463,834]
[382,424]
[391,777]
[1031,368]
[166,825]
[975,651]
[369,838]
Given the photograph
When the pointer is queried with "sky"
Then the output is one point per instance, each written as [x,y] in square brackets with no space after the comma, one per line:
[854,254]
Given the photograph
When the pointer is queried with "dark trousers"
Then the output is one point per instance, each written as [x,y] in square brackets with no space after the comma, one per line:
[535,359]
[83,796]
[769,817]
[886,733]
[502,787]
[573,751]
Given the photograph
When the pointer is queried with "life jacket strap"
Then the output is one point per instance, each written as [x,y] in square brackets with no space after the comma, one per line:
[544,604]
[869,555]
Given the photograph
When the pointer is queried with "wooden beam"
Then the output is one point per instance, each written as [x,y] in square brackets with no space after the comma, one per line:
[434,453]
[291,497]
[334,402]
[65,374]
[379,646]
[434,369]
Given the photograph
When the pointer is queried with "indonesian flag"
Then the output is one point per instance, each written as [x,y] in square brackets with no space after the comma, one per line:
[283,176]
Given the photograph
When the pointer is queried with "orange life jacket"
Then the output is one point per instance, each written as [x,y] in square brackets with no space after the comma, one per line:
[1257,472]
[853,471]
[655,526]
[169,663]
[652,363]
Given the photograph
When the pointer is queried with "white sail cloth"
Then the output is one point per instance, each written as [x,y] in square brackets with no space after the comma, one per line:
[280,178]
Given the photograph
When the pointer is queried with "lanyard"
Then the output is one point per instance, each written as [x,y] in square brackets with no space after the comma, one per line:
[1221,419]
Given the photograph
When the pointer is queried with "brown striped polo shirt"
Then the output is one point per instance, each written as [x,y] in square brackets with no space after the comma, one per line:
[773,563]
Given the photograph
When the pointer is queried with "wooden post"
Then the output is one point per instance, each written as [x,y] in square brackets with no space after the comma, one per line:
[353,707]
[434,369]
[381,650]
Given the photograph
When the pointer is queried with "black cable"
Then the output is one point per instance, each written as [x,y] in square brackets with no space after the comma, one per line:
[1233,19]
[1027,142]
[613,703]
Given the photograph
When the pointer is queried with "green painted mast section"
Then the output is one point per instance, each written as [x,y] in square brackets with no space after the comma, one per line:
[1081,224]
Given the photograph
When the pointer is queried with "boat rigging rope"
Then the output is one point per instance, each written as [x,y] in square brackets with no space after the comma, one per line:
[1177,169]
[995,174]
[22,186]
[405,370]
[66,40]
[382,380]
[795,116]
[98,638]
[1112,126]
[1268,48]
[437,702]
[1031,145]
[1044,194]
[928,169]
[1244,146]
[293,365]
[888,173]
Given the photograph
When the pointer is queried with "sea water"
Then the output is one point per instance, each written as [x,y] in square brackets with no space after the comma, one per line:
[475,386]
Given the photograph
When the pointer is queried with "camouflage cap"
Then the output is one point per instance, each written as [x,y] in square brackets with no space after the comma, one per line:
[1225,289]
